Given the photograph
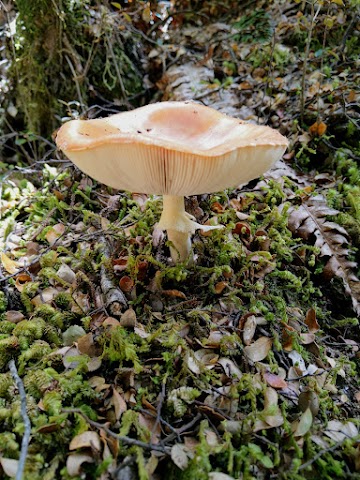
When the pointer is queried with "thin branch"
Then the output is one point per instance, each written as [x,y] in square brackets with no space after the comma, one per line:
[26,437]
[121,438]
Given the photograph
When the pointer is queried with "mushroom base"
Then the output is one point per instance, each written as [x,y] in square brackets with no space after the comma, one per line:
[179,225]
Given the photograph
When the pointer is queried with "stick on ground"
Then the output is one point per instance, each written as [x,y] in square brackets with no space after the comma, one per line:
[26,438]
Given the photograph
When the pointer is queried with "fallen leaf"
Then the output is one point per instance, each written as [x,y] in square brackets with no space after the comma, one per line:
[75,461]
[46,296]
[14,316]
[309,399]
[219,476]
[304,423]
[54,233]
[85,440]
[274,380]
[126,284]
[318,128]
[338,431]
[179,456]
[249,329]
[11,266]
[259,350]
[10,466]
[118,403]
[219,287]
[174,293]
[21,280]
[128,318]
[87,346]
[311,321]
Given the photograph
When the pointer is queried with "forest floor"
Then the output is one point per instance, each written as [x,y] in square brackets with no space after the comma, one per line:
[116,364]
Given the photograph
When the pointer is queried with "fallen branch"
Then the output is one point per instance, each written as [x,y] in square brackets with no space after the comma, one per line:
[26,437]
[121,438]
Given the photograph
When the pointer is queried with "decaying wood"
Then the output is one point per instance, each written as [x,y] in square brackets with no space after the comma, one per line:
[114,299]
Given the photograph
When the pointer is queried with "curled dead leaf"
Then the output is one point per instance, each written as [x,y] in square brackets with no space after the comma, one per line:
[128,318]
[126,284]
[75,461]
[21,280]
[304,424]
[311,321]
[274,381]
[219,287]
[10,466]
[54,233]
[14,316]
[249,329]
[11,266]
[179,456]
[259,350]
[86,439]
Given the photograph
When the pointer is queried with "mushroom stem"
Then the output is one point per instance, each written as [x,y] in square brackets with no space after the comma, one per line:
[177,223]
[181,249]
[179,226]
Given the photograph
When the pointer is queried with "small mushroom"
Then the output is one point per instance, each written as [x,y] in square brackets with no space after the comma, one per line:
[172,149]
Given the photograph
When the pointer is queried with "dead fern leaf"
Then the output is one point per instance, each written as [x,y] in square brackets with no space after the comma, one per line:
[310,219]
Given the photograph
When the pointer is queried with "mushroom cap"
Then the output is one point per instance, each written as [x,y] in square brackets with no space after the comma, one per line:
[171,148]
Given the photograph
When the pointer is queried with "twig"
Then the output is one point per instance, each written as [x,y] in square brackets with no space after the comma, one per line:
[320,454]
[164,422]
[121,438]
[26,437]
[184,428]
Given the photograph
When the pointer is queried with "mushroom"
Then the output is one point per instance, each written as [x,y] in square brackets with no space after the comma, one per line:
[172,149]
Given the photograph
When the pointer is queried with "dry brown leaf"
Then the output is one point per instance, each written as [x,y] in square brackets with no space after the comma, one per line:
[318,129]
[274,380]
[86,440]
[126,284]
[304,424]
[309,399]
[11,266]
[87,346]
[118,403]
[219,287]
[179,456]
[259,350]
[54,233]
[46,296]
[75,461]
[174,293]
[309,220]
[338,431]
[214,339]
[10,466]
[21,280]
[311,321]
[219,476]
[128,318]
[152,425]
[249,329]
[14,316]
